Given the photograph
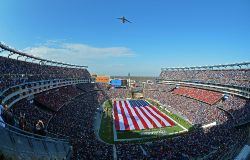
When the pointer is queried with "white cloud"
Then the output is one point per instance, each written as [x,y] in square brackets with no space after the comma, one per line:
[72,52]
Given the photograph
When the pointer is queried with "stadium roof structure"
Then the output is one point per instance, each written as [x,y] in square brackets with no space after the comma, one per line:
[41,60]
[211,67]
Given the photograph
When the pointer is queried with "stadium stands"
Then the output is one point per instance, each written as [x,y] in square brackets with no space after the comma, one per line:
[130,151]
[198,144]
[238,107]
[76,119]
[233,76]
[70,112]
[32,113]
[119,93]
[199,112]
[55,98]
[195,111]
[13,72]
[206,96]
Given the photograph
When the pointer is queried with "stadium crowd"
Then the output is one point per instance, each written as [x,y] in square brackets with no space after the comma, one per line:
[55,98]
[14,72]
[240,77]
[130,151]
[112,92]
[31,113]
[206,96]
[24,116]
[238,107]
[119,93]
[195,111]
[198,144]
[81,130]
[198,112]
[78,106]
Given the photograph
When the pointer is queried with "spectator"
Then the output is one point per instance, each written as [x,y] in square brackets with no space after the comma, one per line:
[23,123]
[40,128]
[2,124]
[8,116]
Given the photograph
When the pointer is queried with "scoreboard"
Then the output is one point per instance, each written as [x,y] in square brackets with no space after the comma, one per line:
[118,83]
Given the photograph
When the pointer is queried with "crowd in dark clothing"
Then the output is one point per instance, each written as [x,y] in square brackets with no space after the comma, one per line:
[131,151]
[76,120]
[8,119]
[199,143]
[204,144]
[32,112]
[50,98]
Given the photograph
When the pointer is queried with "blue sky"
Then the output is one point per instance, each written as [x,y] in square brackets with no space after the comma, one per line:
[163,33]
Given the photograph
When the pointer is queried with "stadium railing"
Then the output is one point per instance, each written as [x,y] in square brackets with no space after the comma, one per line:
[19,144]
[27,90]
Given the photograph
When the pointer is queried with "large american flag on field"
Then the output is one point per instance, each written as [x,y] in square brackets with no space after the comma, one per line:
[137,115]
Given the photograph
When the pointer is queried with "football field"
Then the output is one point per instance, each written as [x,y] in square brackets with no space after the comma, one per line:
[138,115]
[138,120]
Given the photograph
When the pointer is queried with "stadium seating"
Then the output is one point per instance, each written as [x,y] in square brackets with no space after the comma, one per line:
[238,107]
[81,130]
[32,113]
[206,96]
[54,99]
[13,72]
[196,112]
[69,112]
[199,112]
[198,143]
[233,76]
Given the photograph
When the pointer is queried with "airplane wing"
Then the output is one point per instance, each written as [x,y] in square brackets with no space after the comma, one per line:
[124,20]
[127,21]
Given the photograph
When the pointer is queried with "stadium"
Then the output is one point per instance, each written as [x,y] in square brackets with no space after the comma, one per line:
[134,80]
[61,112]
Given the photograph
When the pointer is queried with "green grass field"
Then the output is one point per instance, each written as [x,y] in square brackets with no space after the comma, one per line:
[149,133]
[107,135]
[175,117]
[106,129]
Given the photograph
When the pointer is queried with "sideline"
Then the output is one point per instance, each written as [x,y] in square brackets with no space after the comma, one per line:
[147,138]
[114,153]
[114,130]
[97,122]
[144,152]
